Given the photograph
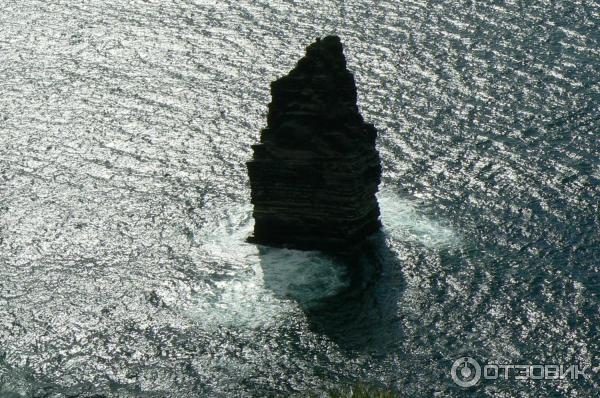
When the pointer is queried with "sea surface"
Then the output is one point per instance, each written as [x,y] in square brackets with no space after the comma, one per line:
[124,199]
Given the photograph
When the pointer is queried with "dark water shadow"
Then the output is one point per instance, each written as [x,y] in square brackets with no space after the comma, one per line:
[362,315]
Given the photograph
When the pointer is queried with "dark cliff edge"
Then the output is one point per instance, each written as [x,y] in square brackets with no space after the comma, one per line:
[315,172]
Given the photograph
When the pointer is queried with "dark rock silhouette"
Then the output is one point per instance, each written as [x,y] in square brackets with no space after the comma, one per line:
[315,173]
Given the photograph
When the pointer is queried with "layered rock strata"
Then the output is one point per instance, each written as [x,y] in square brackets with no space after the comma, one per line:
[316,170]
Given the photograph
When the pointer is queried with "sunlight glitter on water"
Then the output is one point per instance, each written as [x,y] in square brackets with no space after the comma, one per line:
[125,125]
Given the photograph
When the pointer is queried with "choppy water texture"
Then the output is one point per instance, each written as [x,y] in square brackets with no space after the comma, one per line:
[124,203]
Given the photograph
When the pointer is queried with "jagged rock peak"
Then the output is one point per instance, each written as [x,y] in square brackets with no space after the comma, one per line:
[318,97]
[324,54]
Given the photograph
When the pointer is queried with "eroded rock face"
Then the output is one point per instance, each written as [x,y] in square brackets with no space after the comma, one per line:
[315,173]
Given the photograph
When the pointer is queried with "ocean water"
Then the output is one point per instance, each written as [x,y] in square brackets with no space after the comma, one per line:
[124,199]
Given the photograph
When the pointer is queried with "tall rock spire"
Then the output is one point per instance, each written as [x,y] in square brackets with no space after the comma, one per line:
[314,175]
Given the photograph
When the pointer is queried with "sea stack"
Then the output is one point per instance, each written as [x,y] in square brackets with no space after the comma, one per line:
[316,170]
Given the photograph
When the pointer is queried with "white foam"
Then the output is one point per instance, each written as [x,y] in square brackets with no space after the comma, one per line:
[259,286]
[403,220]
[262,285]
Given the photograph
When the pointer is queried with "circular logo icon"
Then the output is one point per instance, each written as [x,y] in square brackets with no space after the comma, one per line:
[466,372]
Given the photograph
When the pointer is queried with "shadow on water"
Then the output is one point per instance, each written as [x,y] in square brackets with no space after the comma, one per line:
[359,314]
